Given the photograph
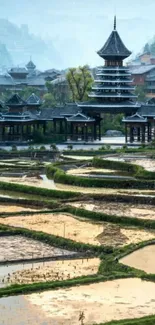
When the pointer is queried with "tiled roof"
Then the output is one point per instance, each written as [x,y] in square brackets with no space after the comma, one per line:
[6,80]
[18,70]
[135,118]
[59,112]
[151,101]
[114,47]
[30,65]
[36,81]
[142,69]
[147,110]
[107,104]
[15,100]
[34,100]
[79,117]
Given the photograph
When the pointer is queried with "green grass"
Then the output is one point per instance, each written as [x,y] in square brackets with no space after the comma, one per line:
[48,193]
[142,179]
[150,320]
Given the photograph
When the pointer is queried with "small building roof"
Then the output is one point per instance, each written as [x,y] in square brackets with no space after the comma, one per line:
[79,117]
[108,104]
[17,70]
[147,110]
[34,100]
[59,112]
[30,65]
[135,118]
[142,69]
[114,47]
[151,101]
[15,101]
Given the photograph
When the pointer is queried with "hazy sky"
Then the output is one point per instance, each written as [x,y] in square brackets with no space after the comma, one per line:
[84,25]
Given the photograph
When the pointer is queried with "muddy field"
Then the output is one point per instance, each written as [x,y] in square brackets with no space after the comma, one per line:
[58,270]
[30,181]
[14,208]
[101,302]
[18,247]
[148,164]
[80,230]
[89,170]
[143,259]
[120,209]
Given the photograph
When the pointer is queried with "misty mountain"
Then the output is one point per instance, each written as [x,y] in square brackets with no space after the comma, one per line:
[5,57]
[68,33]
[20,44]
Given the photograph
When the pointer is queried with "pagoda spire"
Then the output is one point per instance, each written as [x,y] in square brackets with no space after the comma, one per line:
[115,22]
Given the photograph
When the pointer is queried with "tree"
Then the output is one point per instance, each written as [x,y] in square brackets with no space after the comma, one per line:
[146,48]
[112,122]
[48,100]
[79,81]
[59,89]
[140,91]
[28,91]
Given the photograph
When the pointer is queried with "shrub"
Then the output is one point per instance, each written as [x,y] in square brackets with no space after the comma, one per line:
[53,147]
[70,147]
[42,148]
[14,147]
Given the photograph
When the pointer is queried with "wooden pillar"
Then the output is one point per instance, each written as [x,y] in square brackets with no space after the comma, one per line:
[99,130]
[27,129]
[86,134]
[138,134]
[71,131]
[143,133]
[22,130]
[95,131]
[149,132]
[76,132]
[61,127]
[3,133]
[44,127]
[82,132]
[54,126]
[131,134]
[13,132]
[126,133]
[66,131]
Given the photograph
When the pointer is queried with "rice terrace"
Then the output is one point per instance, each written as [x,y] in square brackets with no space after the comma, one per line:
[77,238]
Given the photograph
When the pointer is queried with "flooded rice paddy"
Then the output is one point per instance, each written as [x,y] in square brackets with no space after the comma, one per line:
[131,210]
[80,229]
[100,302]
[47,271]
[142,259]
[18,247]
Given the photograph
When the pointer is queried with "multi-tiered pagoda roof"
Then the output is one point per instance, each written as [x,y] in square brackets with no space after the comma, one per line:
[112,91]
